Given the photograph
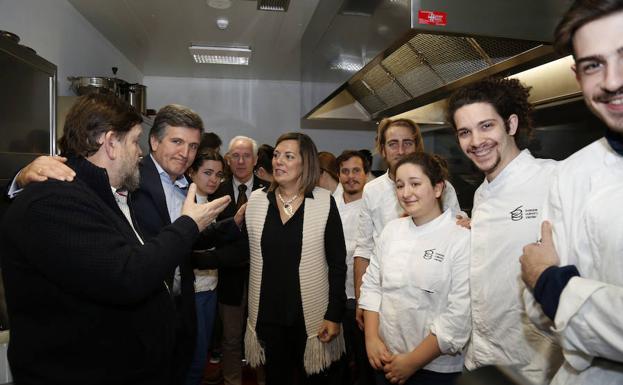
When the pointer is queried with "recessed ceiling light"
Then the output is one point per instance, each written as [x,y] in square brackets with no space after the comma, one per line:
[273,5]
[204,54]
[219,4]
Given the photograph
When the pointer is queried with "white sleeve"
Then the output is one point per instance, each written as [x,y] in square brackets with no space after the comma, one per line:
[589,318]
[14,190]
[453,326]
[589,321]
[552,212]
[371,293]
[365,232]
[450,201]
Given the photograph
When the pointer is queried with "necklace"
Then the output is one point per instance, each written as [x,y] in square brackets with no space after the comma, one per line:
[287,204]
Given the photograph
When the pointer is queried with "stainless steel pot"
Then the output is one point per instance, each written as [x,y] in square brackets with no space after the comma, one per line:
[137,97]
[83,85]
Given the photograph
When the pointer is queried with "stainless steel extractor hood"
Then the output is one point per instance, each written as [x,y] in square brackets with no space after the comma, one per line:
[435,48]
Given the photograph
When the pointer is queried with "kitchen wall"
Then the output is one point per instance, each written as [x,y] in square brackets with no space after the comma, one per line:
[63,36]
[261,109]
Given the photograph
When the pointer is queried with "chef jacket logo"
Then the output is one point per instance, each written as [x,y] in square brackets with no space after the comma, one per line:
[432,254]
[520,213]
[517,214]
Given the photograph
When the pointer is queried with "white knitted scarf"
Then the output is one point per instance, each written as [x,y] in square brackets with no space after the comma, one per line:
[313,278]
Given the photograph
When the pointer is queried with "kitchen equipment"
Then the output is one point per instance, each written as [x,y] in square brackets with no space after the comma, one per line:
[83,85]
[9,35]
[137,97]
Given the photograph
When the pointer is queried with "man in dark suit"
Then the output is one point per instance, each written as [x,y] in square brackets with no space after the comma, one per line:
[232,280]
[174,139]
[87,300]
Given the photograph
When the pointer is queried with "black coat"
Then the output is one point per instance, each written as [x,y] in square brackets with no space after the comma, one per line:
[87,303]
[233,277]
[150,206]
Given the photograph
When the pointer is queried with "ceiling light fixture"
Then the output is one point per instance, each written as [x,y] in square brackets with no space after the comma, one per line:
[273,5]
[204,54]
[219,4]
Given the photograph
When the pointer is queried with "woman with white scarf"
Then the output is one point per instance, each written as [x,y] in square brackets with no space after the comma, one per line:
[297,271]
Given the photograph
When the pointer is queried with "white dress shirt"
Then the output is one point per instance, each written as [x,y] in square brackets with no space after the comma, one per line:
[505,218]
[174,191]
[417,281]
[585,209]
[380,205]
[349,213]
[122,201]
[249,190]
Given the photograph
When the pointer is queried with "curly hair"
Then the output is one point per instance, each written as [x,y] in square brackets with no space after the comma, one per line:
[579,14]
[506,96]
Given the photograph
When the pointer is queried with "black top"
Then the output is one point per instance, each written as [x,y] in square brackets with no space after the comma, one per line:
[233,275]
[280,295]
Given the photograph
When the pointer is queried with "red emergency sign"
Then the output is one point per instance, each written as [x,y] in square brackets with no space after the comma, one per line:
[432,17]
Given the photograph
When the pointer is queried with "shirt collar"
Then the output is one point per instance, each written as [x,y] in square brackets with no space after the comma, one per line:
[510,169]
[181,180]
[249,183]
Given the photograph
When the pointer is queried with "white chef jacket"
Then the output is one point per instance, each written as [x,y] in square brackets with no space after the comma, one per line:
[585,209]
[380,205]
[418,282]
[349,213]
[505,218]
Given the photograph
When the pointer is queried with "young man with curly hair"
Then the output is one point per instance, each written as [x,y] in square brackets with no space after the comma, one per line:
[490,118]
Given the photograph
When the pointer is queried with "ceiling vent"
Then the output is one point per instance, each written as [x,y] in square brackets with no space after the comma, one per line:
[273,5]
[204,54]
[429,66]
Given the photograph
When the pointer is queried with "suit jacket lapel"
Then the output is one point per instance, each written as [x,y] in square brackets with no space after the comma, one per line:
[150,183]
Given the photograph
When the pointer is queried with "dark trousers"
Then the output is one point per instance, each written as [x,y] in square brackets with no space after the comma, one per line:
[284,348]
[422,377]
[355,339]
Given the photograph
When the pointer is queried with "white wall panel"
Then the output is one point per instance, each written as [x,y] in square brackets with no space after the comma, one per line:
[261,109]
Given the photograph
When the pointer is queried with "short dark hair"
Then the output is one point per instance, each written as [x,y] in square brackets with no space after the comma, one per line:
[207,154]
[174,115]
[309,156]
[368,156]
[506,96]
[386,123]
[327,163]
[265,158]
[347,154]
[433,166]
[580,13]
[91,116]
[209,141]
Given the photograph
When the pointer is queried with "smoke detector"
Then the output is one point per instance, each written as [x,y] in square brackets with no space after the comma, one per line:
[222,23]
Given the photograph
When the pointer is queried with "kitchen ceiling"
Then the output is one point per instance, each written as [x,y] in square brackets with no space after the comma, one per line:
[155,35]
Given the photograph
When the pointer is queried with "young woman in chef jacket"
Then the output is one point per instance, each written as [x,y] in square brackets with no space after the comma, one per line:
[415,292]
